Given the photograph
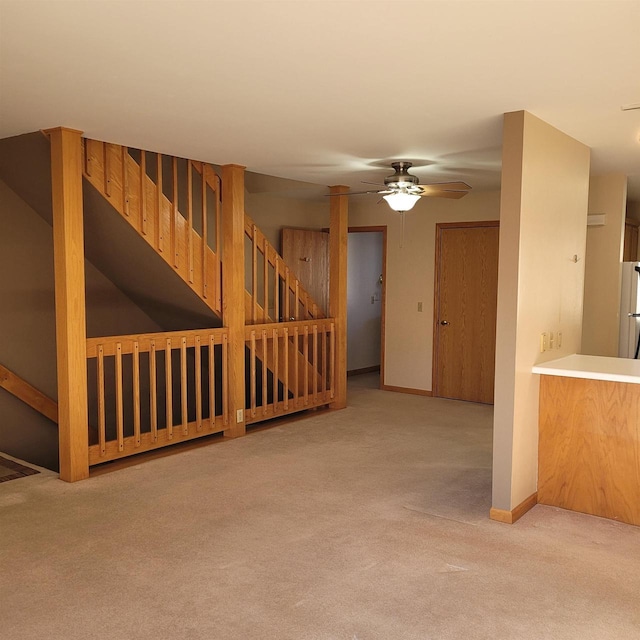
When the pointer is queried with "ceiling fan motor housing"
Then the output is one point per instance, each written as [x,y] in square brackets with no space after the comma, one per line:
[401,179]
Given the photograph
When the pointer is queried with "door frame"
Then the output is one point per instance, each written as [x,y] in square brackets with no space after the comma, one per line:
[440,226]
[383,294]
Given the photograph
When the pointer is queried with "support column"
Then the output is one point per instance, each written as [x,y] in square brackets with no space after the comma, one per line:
[233,291]
[71,332]
[338,230]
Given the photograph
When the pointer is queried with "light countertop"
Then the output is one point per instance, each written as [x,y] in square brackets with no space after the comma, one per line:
[592,368]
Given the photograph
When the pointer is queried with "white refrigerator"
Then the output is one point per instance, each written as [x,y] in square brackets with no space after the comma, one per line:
[629,310]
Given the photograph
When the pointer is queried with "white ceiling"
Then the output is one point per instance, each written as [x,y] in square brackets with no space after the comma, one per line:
[327,92]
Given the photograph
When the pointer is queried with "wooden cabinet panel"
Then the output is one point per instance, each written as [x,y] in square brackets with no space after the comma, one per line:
[589,452]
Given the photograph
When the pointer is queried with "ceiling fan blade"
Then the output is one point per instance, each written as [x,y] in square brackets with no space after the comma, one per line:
[350,193]
[447,186]
[378,184]
[436,193]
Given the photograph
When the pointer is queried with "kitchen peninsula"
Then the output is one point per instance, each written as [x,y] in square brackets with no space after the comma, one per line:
[589,436]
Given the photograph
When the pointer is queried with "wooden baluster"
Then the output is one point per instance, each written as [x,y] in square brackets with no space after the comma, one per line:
[119,406]
[87,156]
[218,243]
[296,368]
[305,347]
[174,213]
[169,389]
[296,308]
[102,430]
[264,372]
[276,291]
[136,393]
[159,216]
[205,244]
[153,392]
[275,370]
[253,374]
[190,219]
[107,169]
[332,361]
[198,383]
[287,295]
[254,274]
[125,181]
[143,191]
[212,382]
[183,386]
[324,362]
[286,368]
[265,283]
[225,379]
[315,364]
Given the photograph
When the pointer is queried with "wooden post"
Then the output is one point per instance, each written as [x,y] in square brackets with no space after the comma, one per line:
[71,334]
[338,230]
[233,292]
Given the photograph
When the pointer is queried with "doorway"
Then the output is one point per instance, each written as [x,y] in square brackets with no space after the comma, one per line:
[366,282]
[466,286]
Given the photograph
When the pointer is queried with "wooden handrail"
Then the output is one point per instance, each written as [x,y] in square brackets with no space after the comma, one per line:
[22,390]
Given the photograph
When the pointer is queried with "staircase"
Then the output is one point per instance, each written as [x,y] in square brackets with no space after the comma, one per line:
[173,203]
[156,389]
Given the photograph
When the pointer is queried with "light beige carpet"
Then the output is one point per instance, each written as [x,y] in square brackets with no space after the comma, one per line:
[369,523]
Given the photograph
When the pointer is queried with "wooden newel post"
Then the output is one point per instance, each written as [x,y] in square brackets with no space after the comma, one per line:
[71,331]
[338,230]
[233,291]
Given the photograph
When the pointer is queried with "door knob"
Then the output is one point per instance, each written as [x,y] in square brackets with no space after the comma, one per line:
[444,322]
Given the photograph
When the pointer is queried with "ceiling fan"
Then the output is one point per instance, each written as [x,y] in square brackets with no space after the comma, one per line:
[402,189]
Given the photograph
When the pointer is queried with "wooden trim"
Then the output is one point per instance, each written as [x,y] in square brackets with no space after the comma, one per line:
[68,250]
[22,390]
[632,222]
[358,372]
[436,288]
[415,392]
[233,230]
[383,303]
[338,230]
[510,517]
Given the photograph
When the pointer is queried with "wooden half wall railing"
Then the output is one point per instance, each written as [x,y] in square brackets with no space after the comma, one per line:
[291,367]
[173,203]
[155,389]
[22,390]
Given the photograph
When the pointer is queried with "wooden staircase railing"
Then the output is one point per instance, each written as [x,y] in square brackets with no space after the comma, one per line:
[155,389]
[275,294]
[173,203]
[22,390]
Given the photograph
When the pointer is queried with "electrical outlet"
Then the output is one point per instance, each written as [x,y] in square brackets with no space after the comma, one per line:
[419,307]
[559,340]
[551,340]
[544,342]
[239,415]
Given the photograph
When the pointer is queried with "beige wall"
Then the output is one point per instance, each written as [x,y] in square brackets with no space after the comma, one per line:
[543,209]
[410,276]
[410,269]
[271,213]
[600,324]
[27,318]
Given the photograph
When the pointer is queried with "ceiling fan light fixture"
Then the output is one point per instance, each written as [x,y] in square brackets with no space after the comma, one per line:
[401,201]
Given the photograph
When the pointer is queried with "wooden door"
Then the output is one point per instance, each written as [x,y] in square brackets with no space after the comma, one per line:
[465,310]
[306,253]
[630,249]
